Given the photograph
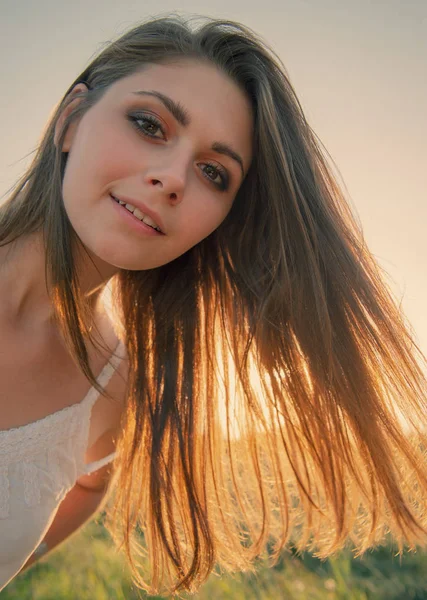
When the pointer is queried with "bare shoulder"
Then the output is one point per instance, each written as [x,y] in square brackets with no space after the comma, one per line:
[108,412]
[112,335]
[116,388]
[106,444]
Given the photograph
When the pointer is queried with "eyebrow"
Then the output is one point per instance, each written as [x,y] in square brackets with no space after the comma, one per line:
[183,118]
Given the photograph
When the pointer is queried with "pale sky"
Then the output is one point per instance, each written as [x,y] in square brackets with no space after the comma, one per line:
[359,70]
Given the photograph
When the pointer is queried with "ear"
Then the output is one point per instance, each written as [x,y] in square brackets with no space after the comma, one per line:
[69,136]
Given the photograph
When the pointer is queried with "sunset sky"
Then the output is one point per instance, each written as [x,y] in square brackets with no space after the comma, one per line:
[359,70]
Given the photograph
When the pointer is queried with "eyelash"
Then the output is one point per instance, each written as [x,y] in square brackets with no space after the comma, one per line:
[223,186]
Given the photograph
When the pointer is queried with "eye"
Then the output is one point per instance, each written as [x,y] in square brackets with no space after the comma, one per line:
[217,175]
[147,125]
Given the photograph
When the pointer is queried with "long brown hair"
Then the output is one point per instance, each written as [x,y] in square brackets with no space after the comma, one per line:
[285,304]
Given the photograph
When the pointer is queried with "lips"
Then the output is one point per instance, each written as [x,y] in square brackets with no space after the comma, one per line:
[141,211]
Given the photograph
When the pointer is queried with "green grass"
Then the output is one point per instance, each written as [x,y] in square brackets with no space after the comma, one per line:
[87,567]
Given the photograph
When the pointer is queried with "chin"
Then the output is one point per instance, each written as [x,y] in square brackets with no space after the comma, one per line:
[114,260]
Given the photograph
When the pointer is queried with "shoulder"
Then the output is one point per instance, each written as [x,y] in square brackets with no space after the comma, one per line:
[112,409]
[116,387]
[111,338]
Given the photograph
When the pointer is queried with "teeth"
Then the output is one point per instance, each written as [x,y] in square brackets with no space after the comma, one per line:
[139,215]
[145,219]
[149,222]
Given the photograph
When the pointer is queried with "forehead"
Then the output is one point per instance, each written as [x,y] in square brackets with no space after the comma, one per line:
[214,102]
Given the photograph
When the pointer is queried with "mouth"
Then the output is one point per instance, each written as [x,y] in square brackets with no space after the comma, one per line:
[138,214]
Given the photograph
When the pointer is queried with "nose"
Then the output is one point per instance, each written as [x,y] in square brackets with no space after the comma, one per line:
[169,179]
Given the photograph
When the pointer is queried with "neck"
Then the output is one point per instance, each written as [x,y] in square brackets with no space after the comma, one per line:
[24,298]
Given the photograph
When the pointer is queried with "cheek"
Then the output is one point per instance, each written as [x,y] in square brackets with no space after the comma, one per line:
[207,216]
[100,156]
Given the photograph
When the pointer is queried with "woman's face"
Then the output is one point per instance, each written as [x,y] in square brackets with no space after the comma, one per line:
[174,140]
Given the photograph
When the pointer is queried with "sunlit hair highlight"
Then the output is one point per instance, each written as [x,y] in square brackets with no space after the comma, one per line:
[269,365]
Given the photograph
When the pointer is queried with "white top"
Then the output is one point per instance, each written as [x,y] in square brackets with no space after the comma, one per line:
[39,464]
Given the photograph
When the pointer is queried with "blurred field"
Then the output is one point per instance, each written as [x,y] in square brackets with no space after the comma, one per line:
[87,568]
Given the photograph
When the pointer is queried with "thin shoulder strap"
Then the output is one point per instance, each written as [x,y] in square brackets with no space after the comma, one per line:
[106,374]
[90,468]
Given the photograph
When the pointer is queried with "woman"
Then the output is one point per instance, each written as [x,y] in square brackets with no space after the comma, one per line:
[249,257]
